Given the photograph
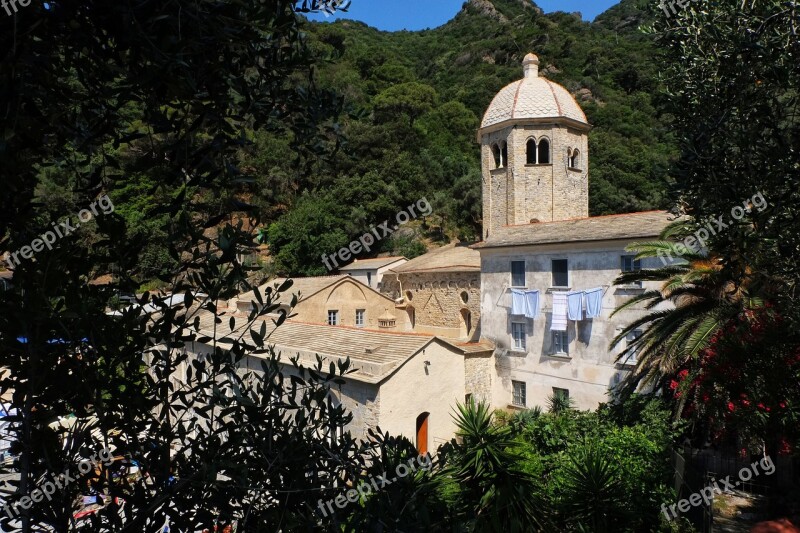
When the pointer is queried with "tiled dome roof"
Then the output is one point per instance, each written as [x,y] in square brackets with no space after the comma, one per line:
[532,97]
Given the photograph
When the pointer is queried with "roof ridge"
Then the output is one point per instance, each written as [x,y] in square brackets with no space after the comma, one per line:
[355,328]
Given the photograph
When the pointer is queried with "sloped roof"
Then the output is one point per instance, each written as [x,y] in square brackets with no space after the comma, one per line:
[375,355]
[378,262]
[311,286]
[307,287]
[647,224]
[455,257]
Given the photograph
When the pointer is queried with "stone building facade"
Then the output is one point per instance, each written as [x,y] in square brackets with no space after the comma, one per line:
[405,383]
[539,238]
[439,292]
[582,365]
[338,301]
[534,154]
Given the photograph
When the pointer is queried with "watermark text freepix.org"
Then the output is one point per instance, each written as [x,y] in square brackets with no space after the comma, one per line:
[365,488]
[671,3]
[713,226]
[706,495]
[62,480]
[60,230]
[365,242]
[5,4]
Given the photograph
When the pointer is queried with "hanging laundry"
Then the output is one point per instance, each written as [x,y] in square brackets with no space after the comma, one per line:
[559,322]
[594,302]
[517,302]
[575,305]
[532,304]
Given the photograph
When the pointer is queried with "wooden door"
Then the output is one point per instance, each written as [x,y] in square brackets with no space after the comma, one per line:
[422,433]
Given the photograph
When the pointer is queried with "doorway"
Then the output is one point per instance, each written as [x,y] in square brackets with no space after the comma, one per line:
[422,433]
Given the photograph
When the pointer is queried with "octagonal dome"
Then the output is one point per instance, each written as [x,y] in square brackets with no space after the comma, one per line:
[532,97]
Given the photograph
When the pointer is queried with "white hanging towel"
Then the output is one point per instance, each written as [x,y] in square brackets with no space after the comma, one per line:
[559,322]
[594,302]
[517,302]
[532,304]
[575,305]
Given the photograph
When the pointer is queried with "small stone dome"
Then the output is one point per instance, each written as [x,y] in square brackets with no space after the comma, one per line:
[532,97]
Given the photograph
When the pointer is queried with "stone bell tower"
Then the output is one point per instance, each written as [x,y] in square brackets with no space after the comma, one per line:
[534,153]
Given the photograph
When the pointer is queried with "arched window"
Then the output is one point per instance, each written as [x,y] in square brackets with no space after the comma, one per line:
[496,154]
[531,152]
[544,152]
[575,159]
[466,323]
[504,155]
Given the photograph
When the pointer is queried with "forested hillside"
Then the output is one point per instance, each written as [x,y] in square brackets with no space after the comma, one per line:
[416,99]
[403,109]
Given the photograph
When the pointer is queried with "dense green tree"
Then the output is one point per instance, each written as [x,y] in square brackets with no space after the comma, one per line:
[168,92]
[733,85]
[412,99]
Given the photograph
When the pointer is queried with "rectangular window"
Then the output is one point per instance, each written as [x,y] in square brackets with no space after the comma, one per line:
[360,318]
[561,393]
[333,318]
[517,273]
[630,359]
[518,333]
[560,343]
[630,263]
[518,396]
[560,273]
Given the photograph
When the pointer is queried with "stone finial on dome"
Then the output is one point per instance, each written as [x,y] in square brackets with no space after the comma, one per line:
[530,66]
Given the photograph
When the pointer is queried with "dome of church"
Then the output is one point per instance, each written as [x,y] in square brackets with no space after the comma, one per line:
[532,97]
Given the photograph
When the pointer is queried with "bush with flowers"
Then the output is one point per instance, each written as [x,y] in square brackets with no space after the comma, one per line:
[743,389]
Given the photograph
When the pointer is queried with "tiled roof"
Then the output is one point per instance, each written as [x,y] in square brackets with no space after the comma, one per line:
[374,354]
[532,97]
[377,262]
[455,257]
[483,345]
[648,224]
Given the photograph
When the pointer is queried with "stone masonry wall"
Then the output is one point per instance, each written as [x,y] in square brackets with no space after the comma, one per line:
[478,376]
[363,401]
[437,299]
[519,192]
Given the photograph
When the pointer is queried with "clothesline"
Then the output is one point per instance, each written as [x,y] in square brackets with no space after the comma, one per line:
[567,305]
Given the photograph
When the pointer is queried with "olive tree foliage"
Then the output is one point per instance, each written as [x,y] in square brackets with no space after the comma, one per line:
[732,77]
[93,91]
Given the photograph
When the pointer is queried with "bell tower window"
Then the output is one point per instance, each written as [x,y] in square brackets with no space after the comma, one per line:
[504,155]
[530,152]
[574,158]
[544,152]
[496,154]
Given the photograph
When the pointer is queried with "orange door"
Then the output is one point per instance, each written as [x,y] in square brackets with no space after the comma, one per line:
[422,433]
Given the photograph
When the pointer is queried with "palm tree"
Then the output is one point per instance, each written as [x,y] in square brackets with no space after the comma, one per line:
[494,494]
[697,298]
[592,487]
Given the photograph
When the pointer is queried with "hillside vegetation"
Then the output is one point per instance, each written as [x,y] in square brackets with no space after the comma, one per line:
[415,100]
[402,115]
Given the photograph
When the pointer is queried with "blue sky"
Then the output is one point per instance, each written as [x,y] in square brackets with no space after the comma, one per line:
[391,15]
